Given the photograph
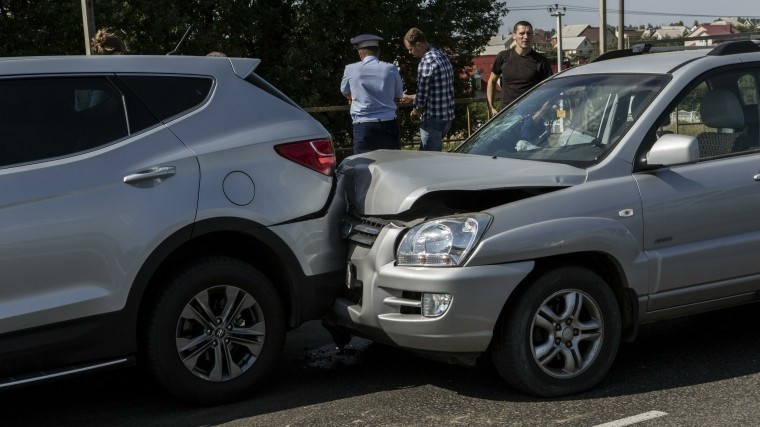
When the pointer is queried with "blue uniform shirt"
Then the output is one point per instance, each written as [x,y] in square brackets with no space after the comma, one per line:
[373,86]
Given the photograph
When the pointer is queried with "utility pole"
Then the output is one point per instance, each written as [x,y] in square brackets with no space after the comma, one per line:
[558,12]
[602,26]
[621,25]
[88,23]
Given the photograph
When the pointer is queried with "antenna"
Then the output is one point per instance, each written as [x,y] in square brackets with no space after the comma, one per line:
[174,52]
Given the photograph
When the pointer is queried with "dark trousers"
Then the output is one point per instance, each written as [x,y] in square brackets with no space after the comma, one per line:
[370,136]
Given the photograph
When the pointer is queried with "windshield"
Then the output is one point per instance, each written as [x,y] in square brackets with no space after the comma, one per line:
[572,120]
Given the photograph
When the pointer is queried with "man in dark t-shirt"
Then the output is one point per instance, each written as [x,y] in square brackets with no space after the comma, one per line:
[520,68]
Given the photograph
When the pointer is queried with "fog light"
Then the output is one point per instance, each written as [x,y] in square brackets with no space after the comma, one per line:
[435,305]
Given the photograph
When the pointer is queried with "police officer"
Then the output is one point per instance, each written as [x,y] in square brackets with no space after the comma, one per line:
[372,88]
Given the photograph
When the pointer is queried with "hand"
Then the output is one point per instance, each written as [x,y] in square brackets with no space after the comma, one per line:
[407,99]
[415,113]
[547,107]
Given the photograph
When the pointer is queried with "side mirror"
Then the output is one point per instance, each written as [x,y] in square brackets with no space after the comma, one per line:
[673,149]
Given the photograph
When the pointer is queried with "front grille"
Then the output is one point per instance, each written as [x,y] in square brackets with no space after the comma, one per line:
[363,231]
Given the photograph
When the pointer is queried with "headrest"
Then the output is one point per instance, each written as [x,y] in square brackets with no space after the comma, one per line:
[720,109]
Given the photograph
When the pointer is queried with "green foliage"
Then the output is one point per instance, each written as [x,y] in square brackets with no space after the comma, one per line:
[303,44]
[40,27]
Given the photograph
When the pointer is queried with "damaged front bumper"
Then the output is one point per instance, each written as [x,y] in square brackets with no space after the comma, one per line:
[388,299]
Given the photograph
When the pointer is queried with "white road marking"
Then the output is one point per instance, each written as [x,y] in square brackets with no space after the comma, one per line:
[633,420]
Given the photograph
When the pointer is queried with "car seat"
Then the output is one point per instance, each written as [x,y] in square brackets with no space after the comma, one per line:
[720,109]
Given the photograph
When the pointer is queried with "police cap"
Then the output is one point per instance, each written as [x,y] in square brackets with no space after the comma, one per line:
[366,40]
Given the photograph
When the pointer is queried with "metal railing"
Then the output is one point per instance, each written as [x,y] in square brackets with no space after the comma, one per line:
[466,108]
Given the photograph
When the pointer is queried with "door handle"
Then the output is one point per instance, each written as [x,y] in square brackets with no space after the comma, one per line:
[154,175]
[756,177]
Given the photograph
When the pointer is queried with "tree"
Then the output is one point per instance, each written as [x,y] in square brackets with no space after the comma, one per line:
[40,27]
[303,44]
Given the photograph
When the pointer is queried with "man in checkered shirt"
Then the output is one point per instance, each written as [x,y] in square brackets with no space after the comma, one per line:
[434,100]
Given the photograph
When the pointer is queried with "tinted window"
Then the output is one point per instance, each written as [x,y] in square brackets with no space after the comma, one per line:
[268,88]
[168,96]
[52,117]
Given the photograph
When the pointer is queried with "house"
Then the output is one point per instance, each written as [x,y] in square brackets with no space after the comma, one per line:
[718,28]
[498,43]
[631,35]
[542,40]
[670,32]
[751,24]
[574,30]
[576,46]
[591,33]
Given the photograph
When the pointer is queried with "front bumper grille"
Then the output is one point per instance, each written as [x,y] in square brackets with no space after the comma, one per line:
[363,231]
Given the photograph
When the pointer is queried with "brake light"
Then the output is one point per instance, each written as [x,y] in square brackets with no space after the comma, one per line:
[315,154]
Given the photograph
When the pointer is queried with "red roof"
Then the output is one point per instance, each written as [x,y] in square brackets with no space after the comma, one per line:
[718,29]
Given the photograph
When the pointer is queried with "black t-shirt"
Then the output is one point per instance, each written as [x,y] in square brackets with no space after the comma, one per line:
[519,73]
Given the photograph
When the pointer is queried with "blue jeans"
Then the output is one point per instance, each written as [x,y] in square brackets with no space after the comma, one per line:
[432,132]
[370,136]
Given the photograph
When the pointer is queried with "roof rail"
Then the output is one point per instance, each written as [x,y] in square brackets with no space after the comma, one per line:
[732,48]
[739,43]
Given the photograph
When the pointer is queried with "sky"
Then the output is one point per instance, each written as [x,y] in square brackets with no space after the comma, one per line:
[637,12]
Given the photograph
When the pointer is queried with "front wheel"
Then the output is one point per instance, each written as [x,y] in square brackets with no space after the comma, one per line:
[561,336]
[214,332]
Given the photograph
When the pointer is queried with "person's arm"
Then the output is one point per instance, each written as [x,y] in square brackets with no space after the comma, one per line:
[546,69]
[398,85]
[424,73]
[490,89]
[345,85]
[492,81]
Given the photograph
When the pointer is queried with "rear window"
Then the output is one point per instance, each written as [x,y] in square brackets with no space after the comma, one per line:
[268,88]
[168,96]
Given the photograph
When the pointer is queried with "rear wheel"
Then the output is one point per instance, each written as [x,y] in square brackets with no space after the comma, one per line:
[561,336]
[215,331]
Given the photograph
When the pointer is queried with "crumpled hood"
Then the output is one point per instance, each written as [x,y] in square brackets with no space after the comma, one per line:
[388,182]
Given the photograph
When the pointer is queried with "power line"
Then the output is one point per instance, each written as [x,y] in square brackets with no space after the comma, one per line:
[628,12]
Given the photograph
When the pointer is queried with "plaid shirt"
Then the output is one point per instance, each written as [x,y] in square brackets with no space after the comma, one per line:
[435,86]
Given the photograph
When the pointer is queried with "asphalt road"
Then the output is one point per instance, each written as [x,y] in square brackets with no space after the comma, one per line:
[701,370]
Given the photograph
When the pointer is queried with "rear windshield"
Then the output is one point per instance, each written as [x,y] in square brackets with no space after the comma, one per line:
[268,88]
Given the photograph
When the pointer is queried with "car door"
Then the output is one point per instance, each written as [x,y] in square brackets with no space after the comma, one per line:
[702,231]
[88,187]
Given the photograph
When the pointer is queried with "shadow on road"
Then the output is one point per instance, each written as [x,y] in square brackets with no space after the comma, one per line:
[672,354]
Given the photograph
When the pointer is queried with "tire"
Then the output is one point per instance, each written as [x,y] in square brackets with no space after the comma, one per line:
[214,331]
[560,336]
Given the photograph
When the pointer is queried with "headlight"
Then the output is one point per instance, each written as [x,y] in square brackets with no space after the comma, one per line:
[442,242]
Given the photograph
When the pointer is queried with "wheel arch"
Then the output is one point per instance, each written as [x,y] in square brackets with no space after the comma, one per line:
[233,237]
[599,262]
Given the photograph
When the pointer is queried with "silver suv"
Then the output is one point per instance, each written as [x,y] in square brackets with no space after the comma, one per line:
[620,192]
[168,210]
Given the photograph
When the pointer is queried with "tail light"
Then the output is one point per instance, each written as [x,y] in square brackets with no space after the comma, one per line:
[315,154]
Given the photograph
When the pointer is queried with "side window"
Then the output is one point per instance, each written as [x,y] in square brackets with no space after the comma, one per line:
[42,118]
[721,112]
[169,96]
[748,89]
